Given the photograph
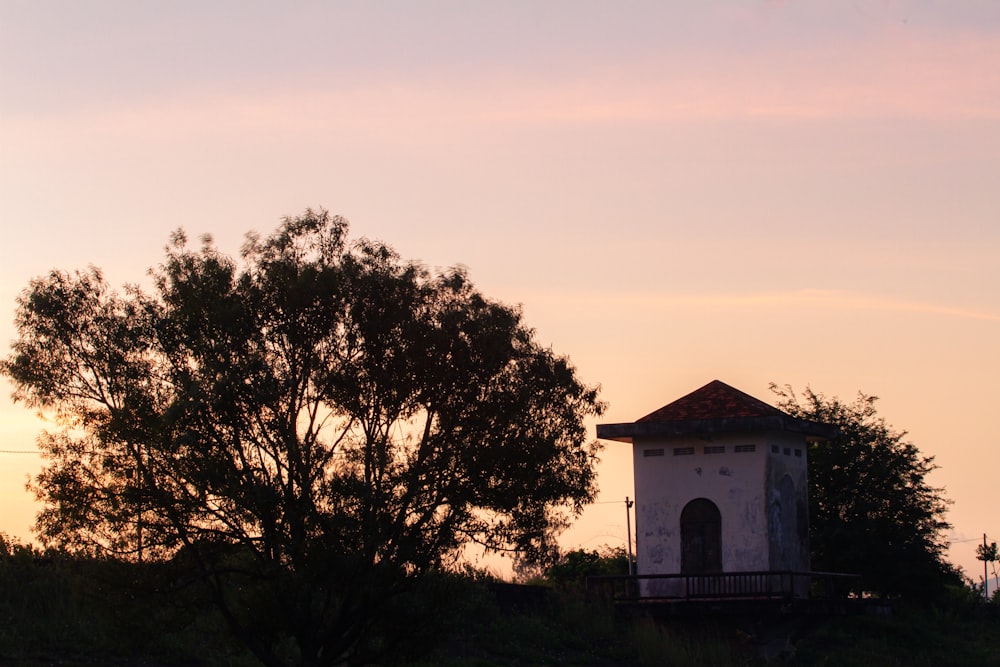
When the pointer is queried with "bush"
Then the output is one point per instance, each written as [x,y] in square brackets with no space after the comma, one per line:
[573,567]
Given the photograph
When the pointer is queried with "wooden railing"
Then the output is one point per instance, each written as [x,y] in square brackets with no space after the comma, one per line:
[728,585]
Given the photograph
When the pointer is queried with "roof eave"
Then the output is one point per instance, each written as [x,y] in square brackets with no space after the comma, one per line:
[707,427]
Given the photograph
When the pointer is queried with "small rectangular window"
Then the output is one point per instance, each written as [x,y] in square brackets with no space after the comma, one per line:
[798,452]
[788,451]
[715,449]
[652,452]
[774,449]
[745,449]
[683,451]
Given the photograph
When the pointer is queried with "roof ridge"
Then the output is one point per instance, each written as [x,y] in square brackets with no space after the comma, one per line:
[715,400]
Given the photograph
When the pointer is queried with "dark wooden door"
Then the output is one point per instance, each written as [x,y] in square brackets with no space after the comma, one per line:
[701,537]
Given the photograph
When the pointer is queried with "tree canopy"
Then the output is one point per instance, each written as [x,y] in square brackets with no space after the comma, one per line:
[307,427]
[872,510]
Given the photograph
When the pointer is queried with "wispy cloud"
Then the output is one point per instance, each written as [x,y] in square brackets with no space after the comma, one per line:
[909,74]
[797,299]
[897,74]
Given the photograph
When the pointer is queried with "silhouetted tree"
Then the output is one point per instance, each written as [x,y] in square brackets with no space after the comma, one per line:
[989,555]
[308,429]
[871,510]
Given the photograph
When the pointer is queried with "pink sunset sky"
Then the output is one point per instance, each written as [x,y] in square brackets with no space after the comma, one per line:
[801,192]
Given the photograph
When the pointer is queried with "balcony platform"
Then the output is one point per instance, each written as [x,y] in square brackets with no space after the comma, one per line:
[739,594]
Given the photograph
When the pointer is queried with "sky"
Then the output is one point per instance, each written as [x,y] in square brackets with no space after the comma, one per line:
[803,193]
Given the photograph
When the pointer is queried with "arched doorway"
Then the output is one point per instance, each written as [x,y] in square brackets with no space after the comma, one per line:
[701,537]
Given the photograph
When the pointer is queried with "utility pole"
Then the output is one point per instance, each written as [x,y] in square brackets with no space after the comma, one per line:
[986,580]
[628,524]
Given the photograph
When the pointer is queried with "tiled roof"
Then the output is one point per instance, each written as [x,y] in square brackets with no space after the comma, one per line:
[716,400]
[715,408]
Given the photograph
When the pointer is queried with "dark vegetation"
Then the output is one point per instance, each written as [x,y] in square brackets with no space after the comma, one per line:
[58,609]
[309,428]
[279,459]
[872,510]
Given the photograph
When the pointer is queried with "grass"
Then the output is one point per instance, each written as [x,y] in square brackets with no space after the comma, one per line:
[931,637]
[568,629]
[69,611]
[74,612]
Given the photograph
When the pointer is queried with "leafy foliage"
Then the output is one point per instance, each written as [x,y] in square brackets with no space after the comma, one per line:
[573,567]
[306,429]
[988,554]
[871,508]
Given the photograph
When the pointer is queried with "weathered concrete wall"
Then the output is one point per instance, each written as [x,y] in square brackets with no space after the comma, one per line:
[733,480]
[787,503]
[758,482]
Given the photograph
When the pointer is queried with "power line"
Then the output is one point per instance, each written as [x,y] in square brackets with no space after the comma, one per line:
[19,451]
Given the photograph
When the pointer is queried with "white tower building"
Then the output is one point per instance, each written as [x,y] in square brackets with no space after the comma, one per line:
[720,486]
